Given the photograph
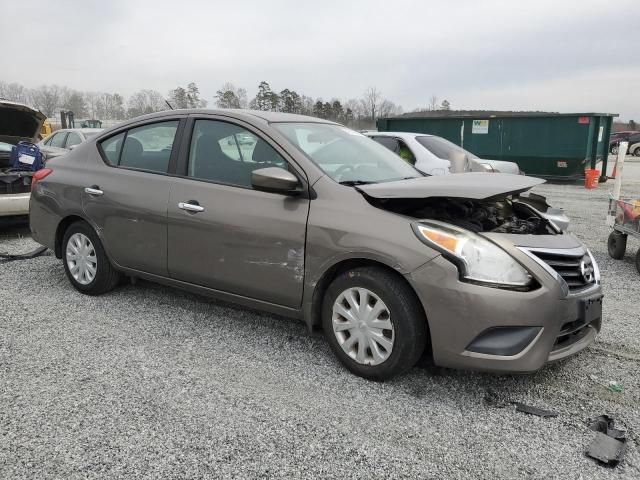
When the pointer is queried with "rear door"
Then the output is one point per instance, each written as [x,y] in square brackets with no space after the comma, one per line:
[238,240]
[127,199]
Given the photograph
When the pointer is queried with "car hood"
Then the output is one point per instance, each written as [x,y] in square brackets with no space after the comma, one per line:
[19,122]
[473,185]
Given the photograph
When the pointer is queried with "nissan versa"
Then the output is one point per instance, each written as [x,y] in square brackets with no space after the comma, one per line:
[306,218]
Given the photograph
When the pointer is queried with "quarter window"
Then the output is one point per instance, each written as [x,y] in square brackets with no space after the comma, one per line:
[111,148]
[222,152]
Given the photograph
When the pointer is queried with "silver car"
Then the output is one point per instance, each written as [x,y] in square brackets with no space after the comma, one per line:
[432,154]
[63,140]
[314,221]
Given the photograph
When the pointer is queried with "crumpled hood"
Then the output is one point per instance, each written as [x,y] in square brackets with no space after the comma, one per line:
[474,185]
[19,122]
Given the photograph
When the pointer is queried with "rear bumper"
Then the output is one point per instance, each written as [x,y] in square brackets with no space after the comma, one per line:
[14,204]
[538,326]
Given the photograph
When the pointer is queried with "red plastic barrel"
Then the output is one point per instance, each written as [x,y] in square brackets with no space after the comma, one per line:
[591,177]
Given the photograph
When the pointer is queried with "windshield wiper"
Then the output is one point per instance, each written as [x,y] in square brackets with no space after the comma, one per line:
[353,183]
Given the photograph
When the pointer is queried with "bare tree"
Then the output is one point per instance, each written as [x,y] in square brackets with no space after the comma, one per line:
[47,99]
[371,102]
[145,101]
[433,102]
[14,92]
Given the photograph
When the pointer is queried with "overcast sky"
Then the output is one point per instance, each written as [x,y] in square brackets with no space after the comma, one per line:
[562,55]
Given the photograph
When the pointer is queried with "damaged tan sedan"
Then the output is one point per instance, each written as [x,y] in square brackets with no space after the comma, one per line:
[309,219]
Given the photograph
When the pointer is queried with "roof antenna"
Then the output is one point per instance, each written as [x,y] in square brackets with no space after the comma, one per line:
[169,105]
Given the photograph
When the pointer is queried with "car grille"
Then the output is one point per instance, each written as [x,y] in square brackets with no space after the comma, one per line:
[576,269]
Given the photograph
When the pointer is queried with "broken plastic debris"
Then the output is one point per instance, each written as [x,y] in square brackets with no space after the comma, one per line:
[521,407]
[614,387]
[609,445]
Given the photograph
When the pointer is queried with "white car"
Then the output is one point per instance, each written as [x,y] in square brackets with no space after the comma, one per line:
[431,154]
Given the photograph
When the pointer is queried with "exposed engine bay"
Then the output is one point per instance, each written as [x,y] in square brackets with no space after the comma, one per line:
[508,215]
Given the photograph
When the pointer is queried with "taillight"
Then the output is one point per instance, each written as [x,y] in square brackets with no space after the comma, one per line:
[39,175]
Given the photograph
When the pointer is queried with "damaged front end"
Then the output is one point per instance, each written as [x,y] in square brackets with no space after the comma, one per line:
[498,206]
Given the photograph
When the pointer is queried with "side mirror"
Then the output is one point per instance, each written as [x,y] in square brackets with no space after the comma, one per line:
[71,147]
[276,180]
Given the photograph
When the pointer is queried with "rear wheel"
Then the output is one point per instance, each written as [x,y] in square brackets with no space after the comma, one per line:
[85,261]
[617,245]
[614,149]
[374,323]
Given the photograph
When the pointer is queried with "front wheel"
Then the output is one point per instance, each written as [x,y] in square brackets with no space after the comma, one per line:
[614,149]
[85,262]
[374,323]
[617,245]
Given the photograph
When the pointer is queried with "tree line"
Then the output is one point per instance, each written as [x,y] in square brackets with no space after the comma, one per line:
[357,112]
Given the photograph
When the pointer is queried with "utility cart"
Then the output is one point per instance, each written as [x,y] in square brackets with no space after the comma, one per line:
[623,216]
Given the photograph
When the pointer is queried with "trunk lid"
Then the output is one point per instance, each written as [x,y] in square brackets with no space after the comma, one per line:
[19,122]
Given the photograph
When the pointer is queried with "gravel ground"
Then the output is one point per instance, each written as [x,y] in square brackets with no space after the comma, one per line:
[152,382]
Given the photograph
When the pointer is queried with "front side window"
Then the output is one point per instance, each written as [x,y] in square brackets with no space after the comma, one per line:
[346,156]
[441,147]
[58,140]
[73,139]
[222,152]
[149,147]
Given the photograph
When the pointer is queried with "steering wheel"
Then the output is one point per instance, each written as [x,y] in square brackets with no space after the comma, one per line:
[342,170]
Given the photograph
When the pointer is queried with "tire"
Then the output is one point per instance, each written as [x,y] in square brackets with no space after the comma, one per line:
[76,253]
[614,149]
[407,336]
[638,260]
[617,245]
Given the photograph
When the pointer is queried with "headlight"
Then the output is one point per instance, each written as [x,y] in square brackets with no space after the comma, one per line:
[477,258]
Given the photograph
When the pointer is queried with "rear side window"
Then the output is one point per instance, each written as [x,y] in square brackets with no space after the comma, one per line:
[389,142]
[58,139]
[145,148]
[149,147]
[73,139]
[111,148]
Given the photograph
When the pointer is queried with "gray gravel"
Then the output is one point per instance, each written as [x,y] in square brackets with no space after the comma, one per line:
[152,382]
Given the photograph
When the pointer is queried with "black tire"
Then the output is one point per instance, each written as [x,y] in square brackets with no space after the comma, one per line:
[638,260]
[614,149]
[617,245]
[106,277]
[406,313]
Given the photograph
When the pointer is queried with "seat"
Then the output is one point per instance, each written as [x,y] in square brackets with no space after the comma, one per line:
[265,156]
[132,153]
[210,163]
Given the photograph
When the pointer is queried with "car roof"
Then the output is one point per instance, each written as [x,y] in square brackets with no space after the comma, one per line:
[81,130]
[266,116]
[398,134]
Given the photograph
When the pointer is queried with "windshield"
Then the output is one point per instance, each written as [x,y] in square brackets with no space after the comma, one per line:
[345,155]
[442,148]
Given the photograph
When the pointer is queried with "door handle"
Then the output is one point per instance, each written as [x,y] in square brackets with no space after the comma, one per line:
[94,190]
[191,206]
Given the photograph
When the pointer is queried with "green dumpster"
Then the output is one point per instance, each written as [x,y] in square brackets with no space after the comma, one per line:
[556,146]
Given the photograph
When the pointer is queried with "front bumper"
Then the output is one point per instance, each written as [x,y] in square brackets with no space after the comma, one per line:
[459,313]
[14,204]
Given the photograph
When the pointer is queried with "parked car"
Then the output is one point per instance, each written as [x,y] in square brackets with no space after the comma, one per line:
[432,154]
[18,122]
[617,137]
[63,140]
[634,144]
[318,222]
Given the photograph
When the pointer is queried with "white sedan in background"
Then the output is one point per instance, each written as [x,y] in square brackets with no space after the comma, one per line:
[431,154]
